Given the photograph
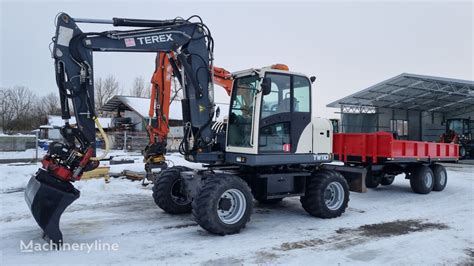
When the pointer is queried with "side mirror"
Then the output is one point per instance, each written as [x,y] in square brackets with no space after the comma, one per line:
[312,78]
[266,85]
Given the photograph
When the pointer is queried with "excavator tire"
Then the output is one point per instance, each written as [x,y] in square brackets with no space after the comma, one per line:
[224,204]
[167,191]
[327,194]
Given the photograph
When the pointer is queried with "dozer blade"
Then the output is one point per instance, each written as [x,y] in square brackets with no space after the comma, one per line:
[48,197]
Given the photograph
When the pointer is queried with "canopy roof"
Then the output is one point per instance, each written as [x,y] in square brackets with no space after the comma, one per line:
[141,105]
[415,92]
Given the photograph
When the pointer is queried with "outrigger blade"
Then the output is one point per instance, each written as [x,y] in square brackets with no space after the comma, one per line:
[48,197]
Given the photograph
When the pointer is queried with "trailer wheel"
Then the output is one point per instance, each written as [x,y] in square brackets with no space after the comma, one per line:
[372,180]
[462,152]
[440,177]
[422,180]
[327,194]
[167,191]
[387,180]
[223,205]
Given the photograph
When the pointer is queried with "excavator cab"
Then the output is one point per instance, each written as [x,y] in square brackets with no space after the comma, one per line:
[270,116]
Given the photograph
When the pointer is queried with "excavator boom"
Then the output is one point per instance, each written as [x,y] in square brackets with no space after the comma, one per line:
[184,48]
[160,100]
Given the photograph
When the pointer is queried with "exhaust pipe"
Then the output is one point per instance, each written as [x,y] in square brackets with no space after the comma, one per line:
[48,197]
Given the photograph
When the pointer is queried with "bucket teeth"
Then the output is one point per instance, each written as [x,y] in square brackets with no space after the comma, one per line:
[48,197]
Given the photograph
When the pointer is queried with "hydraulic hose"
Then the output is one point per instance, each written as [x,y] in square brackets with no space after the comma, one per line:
[106,141]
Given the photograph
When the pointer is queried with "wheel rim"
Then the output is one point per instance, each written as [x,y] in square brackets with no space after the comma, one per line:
[442,178]
[231,206]
[334,195]
[176,194]
[428,179]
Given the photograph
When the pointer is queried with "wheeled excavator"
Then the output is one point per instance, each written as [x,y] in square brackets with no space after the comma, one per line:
[273,146]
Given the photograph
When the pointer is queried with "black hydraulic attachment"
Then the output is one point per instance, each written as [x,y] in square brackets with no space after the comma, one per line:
[48,197]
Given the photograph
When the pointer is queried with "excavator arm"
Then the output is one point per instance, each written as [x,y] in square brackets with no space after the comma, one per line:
[160,100]
[183,45]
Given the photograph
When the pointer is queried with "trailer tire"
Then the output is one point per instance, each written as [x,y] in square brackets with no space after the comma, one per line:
[166,191]
[372,180]
[462,152]
[387,180]
[440,177]
[327,194]
[223,205]
[422,180]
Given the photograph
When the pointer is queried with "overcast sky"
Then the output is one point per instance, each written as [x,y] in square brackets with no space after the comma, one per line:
[347,45]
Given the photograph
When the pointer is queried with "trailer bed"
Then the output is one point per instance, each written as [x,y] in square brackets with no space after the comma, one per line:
[381,147]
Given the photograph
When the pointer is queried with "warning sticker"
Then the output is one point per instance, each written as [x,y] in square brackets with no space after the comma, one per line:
[130,42]
[64,36]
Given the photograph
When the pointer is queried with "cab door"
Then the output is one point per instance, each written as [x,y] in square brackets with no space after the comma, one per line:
[241,125]
[285,114]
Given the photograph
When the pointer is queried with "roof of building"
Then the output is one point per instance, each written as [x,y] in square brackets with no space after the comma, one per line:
[57,121]
[141,105]
[415,92]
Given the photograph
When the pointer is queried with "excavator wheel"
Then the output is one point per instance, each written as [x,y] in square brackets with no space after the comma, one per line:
[168,191]
[223,205]
[327,194]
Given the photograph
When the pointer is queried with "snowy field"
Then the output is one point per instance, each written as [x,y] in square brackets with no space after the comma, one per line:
[386,225]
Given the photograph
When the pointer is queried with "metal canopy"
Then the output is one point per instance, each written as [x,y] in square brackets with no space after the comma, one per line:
[114,104]
[415,92]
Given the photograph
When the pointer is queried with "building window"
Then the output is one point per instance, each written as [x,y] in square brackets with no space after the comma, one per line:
[399,126]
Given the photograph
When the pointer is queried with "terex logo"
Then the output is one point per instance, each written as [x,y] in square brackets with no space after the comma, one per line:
[155,39]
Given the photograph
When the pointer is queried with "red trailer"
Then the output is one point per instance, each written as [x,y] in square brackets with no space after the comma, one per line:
[384,157]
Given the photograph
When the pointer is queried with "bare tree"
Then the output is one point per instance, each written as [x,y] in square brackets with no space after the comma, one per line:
[22,101]
[5,107]
[139,88]
[18,108]
[49,104]
[105,89]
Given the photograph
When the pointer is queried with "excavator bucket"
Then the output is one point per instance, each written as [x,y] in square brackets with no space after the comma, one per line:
[48,197]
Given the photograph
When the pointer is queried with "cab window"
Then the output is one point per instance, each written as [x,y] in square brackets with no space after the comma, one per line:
[242,110]
[301,94]
[279,99]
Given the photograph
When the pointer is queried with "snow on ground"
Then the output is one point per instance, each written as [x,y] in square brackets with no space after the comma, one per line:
[27,154]
[31,153]
[386,225]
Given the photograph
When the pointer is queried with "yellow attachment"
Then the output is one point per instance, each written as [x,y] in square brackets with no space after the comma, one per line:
[106,141]
[99,172]
[156,159]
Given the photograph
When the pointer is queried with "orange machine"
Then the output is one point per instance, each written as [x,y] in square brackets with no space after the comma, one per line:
[160,100]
